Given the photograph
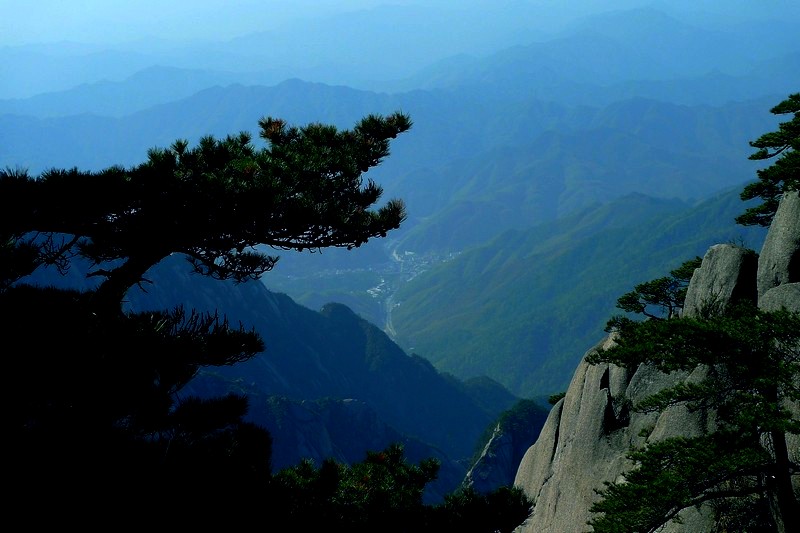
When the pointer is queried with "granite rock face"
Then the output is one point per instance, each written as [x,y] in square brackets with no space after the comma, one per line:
[779,262]
[496,465]
[588,432]
[726,275]
[500,456]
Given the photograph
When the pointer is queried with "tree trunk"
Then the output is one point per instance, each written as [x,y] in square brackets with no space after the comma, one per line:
[109,295]
[785,506]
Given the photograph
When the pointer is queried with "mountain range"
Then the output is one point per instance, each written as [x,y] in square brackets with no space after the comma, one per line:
[552,165]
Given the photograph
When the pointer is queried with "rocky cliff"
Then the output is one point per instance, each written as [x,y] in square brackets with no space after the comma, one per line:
[588,432]
[496,465]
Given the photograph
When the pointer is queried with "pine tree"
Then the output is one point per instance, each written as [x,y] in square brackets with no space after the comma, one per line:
[741,467]
[97,417]
[784,174]
[752,359]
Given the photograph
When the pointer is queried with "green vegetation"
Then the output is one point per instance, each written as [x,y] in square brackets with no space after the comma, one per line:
[384,493]
[666,294]
[538,297]
[750,361]
[784,174]
[555,398]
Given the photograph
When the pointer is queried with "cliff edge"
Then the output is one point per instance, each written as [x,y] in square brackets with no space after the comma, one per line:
[588,432]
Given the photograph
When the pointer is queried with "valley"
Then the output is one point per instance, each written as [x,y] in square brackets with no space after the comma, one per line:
[559,154]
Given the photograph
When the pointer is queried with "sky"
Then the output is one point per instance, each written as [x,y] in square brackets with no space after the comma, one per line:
[120,21]
[130,21]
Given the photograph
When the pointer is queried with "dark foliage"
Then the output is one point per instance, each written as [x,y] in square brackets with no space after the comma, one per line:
[748,362]
[98,430]
[752,361]
[659,298]
[384,493]
[784,174]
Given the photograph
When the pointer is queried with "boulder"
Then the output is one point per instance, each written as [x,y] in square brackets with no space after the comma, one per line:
[779,262]
[726,275]
[783,296]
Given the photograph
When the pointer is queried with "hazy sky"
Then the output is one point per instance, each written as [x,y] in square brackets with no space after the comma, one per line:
[119,21]
[114,21]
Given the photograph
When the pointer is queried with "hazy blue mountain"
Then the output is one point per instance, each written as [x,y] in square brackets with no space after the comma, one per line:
[637,52]
[143,89]
[529,136]
[334,45]
[385,47]
[504,166]
[91,141]
[33,69]
[344,47]
[668,46]
[461,147]
[774,76]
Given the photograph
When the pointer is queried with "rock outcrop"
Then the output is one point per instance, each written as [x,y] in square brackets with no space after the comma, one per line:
[779,262]
[727,275]
[588,432]
[501,454]
[496,465]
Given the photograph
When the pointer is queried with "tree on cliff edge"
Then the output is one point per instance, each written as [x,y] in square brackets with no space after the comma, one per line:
[95,413]
[784,174]
[214,203]
[752,359]
[741,467]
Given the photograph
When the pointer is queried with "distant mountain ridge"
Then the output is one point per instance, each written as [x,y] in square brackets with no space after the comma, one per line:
[145,88]
[537,162]
[543,178]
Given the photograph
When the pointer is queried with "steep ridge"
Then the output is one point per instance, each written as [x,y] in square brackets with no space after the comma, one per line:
[496,466]
[587,433]
[329,385]
[332,385]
